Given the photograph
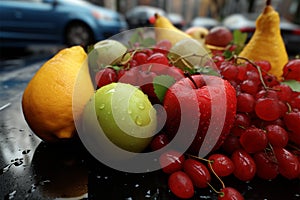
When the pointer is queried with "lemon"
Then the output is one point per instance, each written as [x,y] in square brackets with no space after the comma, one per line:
[47,99]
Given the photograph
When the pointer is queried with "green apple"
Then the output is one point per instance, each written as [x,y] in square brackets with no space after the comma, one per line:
[124,114]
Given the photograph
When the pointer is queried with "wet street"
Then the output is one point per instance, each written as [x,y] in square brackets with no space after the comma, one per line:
[32,169]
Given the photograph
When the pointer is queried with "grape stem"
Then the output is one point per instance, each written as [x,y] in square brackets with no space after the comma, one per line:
[258,69]
[213,171]
[181,58]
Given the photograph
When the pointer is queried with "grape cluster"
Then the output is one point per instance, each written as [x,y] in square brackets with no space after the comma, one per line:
[139,66]
[267,126]
[264,140]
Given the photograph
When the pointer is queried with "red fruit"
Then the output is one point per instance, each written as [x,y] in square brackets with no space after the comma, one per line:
[221,164]
[140,58]
[229,193]
[158,58]
[181,185]
[245,102]
[292,121]
[229,72]
[284,92]
[219,36]
[266,166]
[288,163]
[231,144]
[242,120]
[164,45]
[264,65]
[249,86]
[253,140]
[218,60]
[195,111]
[198,172]
[294,137]
[291,71]
[171,161]
[267,109]
[277,136]
[105,76]
[295,100]
[159,141]
[245,167]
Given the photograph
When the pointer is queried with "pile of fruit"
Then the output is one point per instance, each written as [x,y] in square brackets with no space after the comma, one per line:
[238,107]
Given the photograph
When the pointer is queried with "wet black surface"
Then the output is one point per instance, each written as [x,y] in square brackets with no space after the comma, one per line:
[32,169]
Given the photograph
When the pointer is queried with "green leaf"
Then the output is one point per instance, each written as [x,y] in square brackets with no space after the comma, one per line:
[135,38]
[206,70]
[239,38]
[148,42]
[294,85]
[161,84]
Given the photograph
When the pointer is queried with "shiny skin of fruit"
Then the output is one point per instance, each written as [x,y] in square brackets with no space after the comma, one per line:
[229,193]
[291,70]
[159,141]
[288,163]
[277,136]
[171,161]
[253,140]
[266,165]
[47,99]
[219,36]
[292,121]
[125,115]
[105,76]
[198,172]
[208,91]
[245,168]
[221,164]
[181,185]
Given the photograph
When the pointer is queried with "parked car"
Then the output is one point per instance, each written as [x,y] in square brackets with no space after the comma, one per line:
[205,22]
[138,16]
[176,19]
[70,22]
[246,23]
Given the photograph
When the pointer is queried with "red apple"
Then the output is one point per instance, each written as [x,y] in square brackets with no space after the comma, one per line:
[200,106]
[219,36]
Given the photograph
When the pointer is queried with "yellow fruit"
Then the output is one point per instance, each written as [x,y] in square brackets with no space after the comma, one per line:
[47,99]
[266,42]
[198,33]
[165,30]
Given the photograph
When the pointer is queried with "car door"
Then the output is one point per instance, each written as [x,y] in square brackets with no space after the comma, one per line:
[32,20]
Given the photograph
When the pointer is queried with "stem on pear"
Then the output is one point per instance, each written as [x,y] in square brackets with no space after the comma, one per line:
[268,2]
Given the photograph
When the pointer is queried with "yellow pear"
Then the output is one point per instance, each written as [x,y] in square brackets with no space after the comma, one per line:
[165,30]
[266,42]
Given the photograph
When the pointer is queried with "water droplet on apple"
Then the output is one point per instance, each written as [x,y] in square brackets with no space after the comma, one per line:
[101,107]
[138,120]
[141,106]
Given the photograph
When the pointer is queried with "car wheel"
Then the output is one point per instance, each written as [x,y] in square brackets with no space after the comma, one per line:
[78,34]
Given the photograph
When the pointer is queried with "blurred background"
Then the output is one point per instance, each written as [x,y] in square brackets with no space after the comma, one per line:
[41,27]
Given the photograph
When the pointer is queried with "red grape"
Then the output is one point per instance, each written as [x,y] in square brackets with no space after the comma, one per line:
[198,172]
[181,185]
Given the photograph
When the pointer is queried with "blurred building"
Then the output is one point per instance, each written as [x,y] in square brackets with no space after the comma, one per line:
[217,9]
